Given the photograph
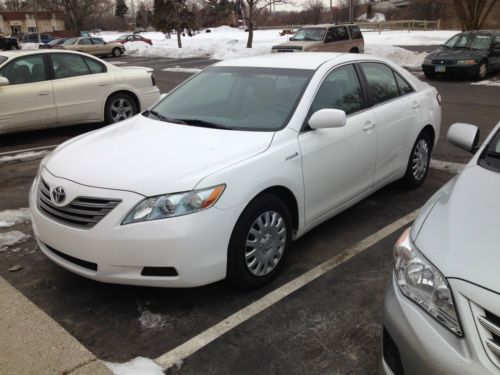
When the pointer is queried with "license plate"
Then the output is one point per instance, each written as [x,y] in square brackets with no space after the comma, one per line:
[440,68]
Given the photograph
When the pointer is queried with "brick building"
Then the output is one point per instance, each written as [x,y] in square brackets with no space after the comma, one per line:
[31,22]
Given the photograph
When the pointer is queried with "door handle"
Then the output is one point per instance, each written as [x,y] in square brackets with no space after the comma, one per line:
[415,105]
[368,126]
[43,93]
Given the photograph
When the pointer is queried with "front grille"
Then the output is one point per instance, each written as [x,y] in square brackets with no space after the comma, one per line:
[444,62]
[81,212]
[488,325]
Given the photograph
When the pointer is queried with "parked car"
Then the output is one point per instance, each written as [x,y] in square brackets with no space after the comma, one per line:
[33,38]
[324,38]
[442,308]
[93,46]
[53,43]
[473,54]
[8,43]
[230,167]
[49,88]
[132,38]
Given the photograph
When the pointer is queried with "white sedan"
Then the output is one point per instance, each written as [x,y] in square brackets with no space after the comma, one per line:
[41,89]
[221,175]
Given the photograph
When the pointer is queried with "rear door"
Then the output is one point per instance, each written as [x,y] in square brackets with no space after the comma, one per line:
[81,86]
[337,39]
[395,111]
[100,48]
[28,101]
[85,45]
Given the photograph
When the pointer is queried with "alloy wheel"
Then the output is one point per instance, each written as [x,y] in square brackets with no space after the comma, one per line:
[121,109]
[420,159]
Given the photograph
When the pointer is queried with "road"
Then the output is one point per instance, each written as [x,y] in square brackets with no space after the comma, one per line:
[329,326]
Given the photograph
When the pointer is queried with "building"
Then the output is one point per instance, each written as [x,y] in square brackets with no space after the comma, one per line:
[400,3]
[31,22]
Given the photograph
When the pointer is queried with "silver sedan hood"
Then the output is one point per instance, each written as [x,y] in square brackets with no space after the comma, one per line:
[459,229]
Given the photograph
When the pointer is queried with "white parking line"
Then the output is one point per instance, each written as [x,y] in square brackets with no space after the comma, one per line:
[177,355]
[28,150]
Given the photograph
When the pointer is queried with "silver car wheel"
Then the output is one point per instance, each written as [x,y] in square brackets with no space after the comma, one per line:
[420,159]
[121,109]
[265,243]
[483,70]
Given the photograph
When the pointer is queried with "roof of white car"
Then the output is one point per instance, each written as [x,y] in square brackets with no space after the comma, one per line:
[12,54]
[295,60]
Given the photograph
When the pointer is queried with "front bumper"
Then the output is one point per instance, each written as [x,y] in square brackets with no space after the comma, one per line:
[194,245]
[424,346]
[452,70]
[148,96]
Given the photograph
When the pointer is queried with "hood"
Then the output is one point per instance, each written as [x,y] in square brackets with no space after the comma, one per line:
[460,235]
[456,54]
[150,157]
[295,44]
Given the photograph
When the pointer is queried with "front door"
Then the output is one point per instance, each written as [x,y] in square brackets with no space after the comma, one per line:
[339,163]
[28,101]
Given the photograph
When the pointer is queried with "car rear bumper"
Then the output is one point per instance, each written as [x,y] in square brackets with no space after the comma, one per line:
[186,251]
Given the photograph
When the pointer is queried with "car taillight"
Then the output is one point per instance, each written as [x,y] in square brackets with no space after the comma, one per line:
[439,99]
[153,80]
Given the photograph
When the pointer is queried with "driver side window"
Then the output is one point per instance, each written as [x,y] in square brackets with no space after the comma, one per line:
[340,90]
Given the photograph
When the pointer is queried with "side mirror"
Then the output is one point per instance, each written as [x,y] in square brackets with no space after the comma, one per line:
[4,81]
[327,118]
[464,136]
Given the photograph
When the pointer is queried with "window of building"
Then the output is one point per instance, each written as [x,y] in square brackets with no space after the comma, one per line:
[32,29]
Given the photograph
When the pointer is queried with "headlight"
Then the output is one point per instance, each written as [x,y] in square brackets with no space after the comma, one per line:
[466,62]
[427,61]
[43,162]
[421,282]
[171,205]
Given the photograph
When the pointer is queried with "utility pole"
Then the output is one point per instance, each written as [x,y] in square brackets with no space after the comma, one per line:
[351,11]
[331,12]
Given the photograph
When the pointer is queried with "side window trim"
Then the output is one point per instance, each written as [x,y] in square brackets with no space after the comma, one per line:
[365,104]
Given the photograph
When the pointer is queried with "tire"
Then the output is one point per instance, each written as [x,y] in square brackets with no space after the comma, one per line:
[354,50]
[482,71]
[119,107]
[245,271]
[116,52]
[418,162]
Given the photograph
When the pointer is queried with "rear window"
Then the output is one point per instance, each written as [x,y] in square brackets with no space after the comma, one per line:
[355,32]
[490,158]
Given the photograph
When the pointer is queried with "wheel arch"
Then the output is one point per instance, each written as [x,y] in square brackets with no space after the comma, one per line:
[430,131]
[123,91]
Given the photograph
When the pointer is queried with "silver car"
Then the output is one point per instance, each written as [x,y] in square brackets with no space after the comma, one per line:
[442,307]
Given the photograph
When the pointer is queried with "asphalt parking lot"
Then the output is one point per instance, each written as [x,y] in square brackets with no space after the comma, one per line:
[331,325]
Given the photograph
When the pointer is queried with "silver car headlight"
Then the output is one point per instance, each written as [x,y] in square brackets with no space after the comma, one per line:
[421,281]
[177,204]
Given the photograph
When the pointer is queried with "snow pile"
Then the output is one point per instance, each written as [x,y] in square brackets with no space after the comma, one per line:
[399,55]
[9,218]
[12,238]
[377,17]
[24,156]
[29,45]
[487,83]
[405,38]
[182,70]
[136,366]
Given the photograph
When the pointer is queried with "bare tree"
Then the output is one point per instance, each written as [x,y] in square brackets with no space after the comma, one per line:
[473,13]
[314,11]
[254,8]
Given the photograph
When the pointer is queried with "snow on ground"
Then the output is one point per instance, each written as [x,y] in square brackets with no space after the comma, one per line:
[9,218]
[182,70]
[136,366]
[24,156]
[487,83]
[12,238]
[149,320]
[225,42]
[29,45]
[377,17]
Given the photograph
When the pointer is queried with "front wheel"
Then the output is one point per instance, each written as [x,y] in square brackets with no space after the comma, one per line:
[117,52]
[418,163]
[482,70]
[258,244]
[119,107]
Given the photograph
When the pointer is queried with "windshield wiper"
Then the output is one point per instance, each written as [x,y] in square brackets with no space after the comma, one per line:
[202,123]
[493,154]
[159,116]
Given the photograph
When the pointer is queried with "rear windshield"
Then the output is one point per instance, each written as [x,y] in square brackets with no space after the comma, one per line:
[2,59]
[490,158]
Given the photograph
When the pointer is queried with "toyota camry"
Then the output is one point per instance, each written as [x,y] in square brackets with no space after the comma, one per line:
[218,178]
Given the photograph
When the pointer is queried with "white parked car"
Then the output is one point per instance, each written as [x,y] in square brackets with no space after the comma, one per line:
[222,174]
[442,308]
[50,88]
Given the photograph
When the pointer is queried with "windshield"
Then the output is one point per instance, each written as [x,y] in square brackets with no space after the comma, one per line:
[236,98]
[310,34]
[469,40]
[490,158]
[70,41]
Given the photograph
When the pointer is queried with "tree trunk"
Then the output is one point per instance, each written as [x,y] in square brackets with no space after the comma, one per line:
[179,42]
[250,26]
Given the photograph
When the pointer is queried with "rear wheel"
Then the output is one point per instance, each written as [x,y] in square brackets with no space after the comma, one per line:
[258,245]
[418,163]
[117,52]
[482,70]
[120,107]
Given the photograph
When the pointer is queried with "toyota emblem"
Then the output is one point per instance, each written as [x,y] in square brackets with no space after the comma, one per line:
[58,195]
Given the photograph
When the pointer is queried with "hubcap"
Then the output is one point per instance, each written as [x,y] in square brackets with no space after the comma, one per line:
[265,243]
[420,159]
[121,109]
[482,70]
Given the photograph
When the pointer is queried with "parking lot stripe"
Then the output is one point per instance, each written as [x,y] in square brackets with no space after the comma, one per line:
[177,355]
[28,150]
